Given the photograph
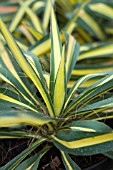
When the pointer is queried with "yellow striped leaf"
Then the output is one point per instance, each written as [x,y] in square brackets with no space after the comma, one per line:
[60,86]
[71,55]
[33,31]
[14,117]
[10,66]
[78,83]
[102,9]
[18,17]
[47,12]
[92,25]
[56,50]
[98,51]
[81,142]
[68,162]
[15,161]
[86,142]
[26,67]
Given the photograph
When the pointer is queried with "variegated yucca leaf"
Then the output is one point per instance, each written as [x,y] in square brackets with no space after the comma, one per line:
[44,47]
[84,138]
[33,161]
[14,162]
[68,162]
[33,97]
[56,52]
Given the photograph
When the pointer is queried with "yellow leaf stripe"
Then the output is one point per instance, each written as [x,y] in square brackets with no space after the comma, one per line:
[107,49]
[44,47]
[33,31]
[32,63]
[106,80]
[41,48]
[37,5]
[35,20]
[56,42]
[69,53]
[46,16]
[85,142]
[11,68]
[7,81]
[27,34]
[104,117]
[71,24]
[21,45]
[70,56]
[82,129]
[47,78]
[92,23]
[89,71]
[85,84]
[67,162]
[21,118]
[20,13]
[10,99]
[75,88]
[102,9]
[59,91]
[25,66]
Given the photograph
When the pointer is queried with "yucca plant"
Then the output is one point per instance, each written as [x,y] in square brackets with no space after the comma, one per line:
[61,117]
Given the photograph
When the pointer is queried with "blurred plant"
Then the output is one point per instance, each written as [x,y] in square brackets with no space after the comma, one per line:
[60,117]
[90,22]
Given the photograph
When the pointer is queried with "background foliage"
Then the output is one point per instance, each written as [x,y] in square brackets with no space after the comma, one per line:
[66,117]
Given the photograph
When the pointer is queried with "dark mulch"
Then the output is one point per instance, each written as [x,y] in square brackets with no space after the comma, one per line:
[10,148]
[50,161]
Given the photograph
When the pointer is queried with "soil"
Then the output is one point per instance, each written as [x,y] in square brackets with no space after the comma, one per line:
[10,148]
[50,161]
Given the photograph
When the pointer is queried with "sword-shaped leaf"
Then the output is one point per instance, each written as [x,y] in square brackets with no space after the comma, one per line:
[16,117]
[33,31]
[47,12]
[14,162]
[72,53]
[90,24]
[100,87]
[36,66]
[82,142]
[33,161]
[12,134]
[102,9]
[77,84]
[11,73]
[19,14]
[56,51]
[68,162]
[60,86]
[26,67]
[14,99]
[101,50]
[97,107]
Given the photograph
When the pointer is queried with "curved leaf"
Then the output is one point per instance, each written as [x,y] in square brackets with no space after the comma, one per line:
[14,162]
[26,67]
[56,51]
[16,117]
[68,162]
[33,161]
[80,142]
[60,87]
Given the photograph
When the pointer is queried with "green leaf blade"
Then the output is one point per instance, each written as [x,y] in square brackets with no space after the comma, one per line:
[56,51]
